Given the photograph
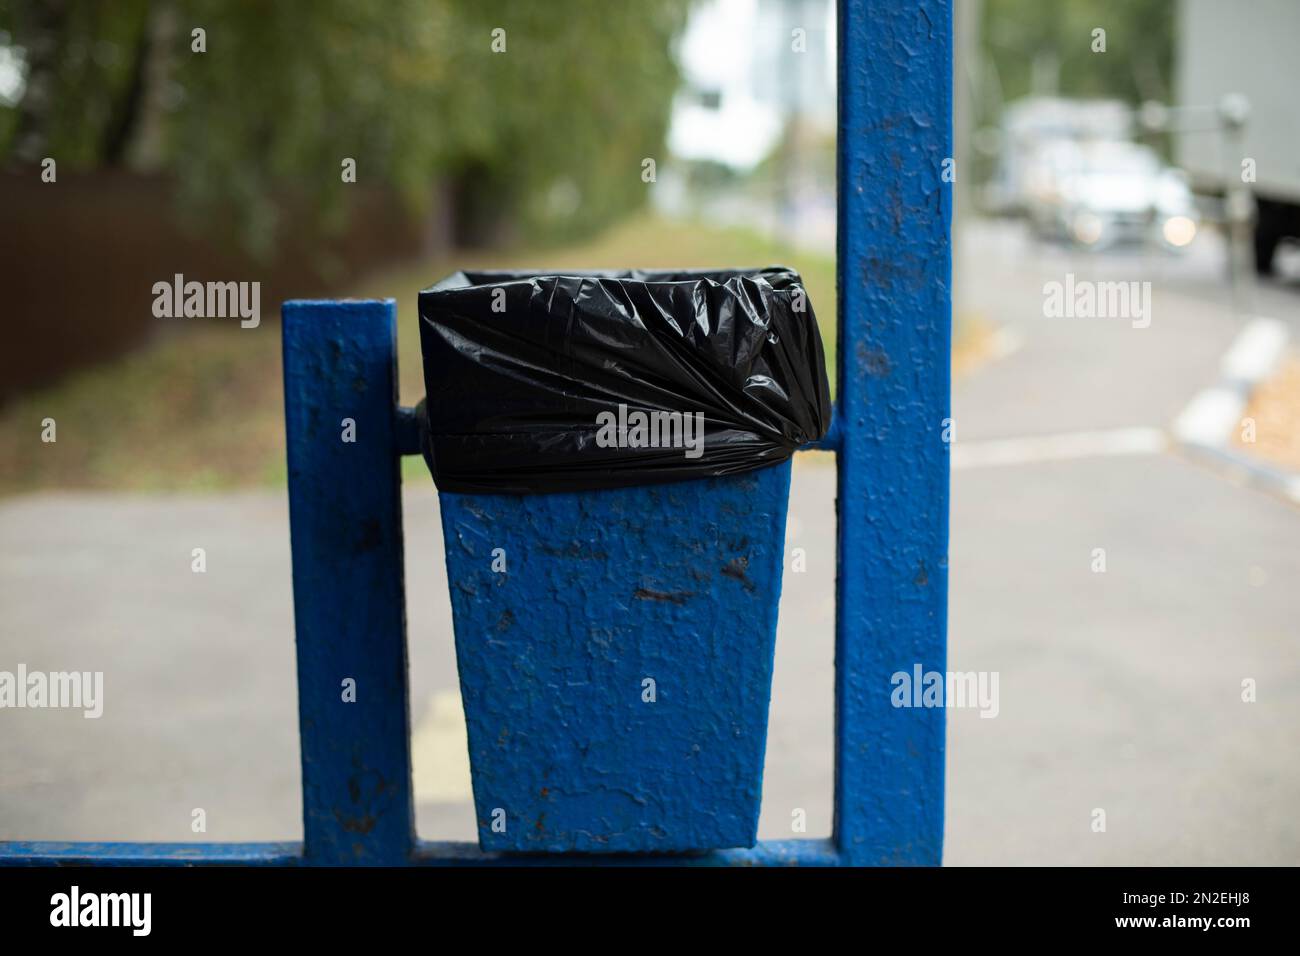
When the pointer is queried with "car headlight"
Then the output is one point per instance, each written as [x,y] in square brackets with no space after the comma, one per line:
[1179,230]
[1086,228]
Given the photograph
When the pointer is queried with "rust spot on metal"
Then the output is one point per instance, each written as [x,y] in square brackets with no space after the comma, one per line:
[574,549]
[360,824]
[903,270]
[738,568]
[874,361]
[673,597]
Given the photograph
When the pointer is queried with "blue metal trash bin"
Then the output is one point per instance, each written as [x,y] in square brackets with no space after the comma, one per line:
[615,653]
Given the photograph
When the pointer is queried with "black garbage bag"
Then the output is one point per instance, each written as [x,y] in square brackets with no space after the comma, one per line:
[589,380]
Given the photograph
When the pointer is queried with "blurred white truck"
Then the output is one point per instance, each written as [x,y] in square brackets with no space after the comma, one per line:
[1225,48]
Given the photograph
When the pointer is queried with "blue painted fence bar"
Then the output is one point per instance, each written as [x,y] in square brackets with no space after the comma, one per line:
[895,76]
[894,271]
[345,518]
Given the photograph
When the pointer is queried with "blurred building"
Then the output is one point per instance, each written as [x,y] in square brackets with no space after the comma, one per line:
[759,102]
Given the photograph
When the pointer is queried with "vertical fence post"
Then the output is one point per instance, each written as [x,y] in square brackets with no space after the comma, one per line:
[345,513]
[895,123]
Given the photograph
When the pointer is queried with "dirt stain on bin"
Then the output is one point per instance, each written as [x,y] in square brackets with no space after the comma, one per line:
[673,597]
[738,568]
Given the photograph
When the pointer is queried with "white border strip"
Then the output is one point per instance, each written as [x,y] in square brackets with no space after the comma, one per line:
[1065,447]
[1213,413]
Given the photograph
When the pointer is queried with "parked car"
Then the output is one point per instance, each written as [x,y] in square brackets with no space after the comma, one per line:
[1098,193]
[1029,123]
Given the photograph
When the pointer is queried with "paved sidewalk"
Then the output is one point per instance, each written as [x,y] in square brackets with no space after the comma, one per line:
[1088,374]
[1122,690]
[1118,690]
[200,698]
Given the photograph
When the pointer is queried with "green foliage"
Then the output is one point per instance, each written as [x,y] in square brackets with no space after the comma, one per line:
[546,136]
[204,408]
[1137,64]
[579,100]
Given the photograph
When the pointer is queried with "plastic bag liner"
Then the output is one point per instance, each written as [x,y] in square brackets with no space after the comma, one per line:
[590,380]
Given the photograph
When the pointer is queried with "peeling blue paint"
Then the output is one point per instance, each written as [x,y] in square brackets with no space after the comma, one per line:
[894,333]
[676,584]
[345,517]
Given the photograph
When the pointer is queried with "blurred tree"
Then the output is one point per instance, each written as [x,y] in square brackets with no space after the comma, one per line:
[1047,48]
[542,131]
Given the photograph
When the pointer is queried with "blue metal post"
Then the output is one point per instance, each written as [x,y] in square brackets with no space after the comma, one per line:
[895,130]
[894,353]
[345,513]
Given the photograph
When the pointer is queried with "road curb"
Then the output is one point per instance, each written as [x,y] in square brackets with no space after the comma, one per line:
[1248,470]
[1212,414]
[1204,427]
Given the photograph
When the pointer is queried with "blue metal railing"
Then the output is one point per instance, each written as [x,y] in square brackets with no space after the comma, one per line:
[895,78]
